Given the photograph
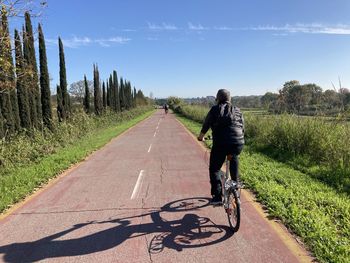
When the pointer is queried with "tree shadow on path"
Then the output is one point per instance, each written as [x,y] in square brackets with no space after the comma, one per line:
[191,231]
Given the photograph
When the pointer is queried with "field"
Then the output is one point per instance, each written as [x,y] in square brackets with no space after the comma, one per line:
[299,169]
[317,146]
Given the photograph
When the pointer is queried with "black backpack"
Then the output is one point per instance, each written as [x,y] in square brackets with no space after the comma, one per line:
[229,115]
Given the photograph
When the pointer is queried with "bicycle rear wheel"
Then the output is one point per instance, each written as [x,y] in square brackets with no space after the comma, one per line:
[234,210]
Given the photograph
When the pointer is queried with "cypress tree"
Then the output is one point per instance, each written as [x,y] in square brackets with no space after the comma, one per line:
[121,95]
[134,98]
[9,67]
[97,92]
[63,81]
[33,68]
[22,93]
[104,96]
[112,93]
[116,91]
[86,96]
[27,80]
[5,78]
[60,109]
[108,94]
[44,82]
[126,101]
[6,109]
[128,95]
[15,110]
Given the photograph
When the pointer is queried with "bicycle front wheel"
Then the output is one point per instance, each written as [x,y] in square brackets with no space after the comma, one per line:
[234,210]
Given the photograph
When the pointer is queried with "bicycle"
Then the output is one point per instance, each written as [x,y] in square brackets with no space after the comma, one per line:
[231,200]
[231,196]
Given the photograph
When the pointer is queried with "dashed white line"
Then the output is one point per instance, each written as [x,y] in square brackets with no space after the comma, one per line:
[137,185]
[155,134]
[150,147]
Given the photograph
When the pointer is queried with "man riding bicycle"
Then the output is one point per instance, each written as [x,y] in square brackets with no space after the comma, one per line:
[166,108]
[227,124]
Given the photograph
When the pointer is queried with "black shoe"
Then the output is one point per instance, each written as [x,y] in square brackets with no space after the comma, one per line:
[216,200]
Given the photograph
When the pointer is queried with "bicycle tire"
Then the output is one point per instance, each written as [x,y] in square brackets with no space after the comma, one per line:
[234,210]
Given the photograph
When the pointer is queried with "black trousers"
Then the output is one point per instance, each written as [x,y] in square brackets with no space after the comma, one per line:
[217,158]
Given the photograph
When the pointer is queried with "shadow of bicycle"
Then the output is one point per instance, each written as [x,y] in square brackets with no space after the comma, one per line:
[191,231]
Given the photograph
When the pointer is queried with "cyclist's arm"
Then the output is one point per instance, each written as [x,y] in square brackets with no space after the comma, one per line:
[206,125]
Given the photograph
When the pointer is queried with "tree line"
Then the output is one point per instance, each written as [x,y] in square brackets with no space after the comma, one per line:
[294,97]
[306,99]
[25,94]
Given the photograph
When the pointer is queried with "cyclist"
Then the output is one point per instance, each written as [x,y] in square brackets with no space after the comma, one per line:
[166,108]
[227,125]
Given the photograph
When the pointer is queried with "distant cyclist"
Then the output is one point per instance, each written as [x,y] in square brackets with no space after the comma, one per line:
[227,124]
[166,108]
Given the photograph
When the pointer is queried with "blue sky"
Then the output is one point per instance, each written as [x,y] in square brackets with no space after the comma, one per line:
[191,48]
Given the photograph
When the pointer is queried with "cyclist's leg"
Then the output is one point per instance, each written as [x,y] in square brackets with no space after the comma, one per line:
[235,150]
[217,158]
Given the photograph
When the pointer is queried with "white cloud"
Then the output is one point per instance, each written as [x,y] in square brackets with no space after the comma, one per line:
[314,28]
[129,30]
[223,28]
[163,26]
[198,27]
[76,42]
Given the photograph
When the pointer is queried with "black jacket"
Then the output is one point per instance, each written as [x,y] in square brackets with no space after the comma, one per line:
[227,124]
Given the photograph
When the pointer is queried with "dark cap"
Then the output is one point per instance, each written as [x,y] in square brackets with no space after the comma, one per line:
[223,96]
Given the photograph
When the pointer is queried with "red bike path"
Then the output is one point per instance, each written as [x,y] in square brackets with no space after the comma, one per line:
[142,198]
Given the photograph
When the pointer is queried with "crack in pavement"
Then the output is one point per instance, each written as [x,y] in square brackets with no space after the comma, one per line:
[162,170]
[146,192]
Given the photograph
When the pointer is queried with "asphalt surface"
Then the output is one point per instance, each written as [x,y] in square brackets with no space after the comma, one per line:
[142,198]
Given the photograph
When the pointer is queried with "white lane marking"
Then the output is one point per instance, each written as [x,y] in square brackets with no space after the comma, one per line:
[150,147]
[137,185]
[155,134]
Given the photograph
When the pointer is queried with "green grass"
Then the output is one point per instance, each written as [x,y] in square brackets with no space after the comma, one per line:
[20,181]
[314,211]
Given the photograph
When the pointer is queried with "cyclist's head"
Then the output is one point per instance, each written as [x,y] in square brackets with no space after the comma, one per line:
[223,96]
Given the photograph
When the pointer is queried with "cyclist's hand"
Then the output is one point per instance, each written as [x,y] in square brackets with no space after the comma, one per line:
[200,137]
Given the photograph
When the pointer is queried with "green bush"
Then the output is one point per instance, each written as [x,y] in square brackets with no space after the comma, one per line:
[320,140]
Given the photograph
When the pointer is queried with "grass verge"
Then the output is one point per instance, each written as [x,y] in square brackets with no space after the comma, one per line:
[21,181]
[312,210]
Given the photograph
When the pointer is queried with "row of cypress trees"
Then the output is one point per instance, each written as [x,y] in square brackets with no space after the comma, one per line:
[25,96]
[116,95]
[25,100]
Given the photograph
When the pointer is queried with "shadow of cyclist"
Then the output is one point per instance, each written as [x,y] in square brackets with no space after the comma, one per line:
[191,231]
